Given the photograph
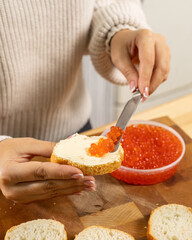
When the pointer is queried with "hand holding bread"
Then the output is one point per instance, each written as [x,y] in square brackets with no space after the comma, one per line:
[74,151]
[23,180]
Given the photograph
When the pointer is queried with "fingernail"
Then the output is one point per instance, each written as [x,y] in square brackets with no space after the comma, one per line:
[146,92]
[90,189]
[77,176]
[89,183]
[143,99]
[132,86]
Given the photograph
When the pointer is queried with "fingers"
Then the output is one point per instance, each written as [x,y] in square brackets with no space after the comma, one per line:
[72,191]
[124,64]
[146,48]
[32,191]
[121,59]
[33,181]
[146,53]
[36,147]
[48,186]
[35,171]
[162,65]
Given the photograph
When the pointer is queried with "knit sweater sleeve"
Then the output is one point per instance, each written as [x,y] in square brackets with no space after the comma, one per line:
[111,16]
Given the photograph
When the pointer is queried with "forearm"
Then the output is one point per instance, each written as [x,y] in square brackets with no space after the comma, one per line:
[109,18]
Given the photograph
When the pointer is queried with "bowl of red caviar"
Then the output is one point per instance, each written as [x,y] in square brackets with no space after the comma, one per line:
[152,153]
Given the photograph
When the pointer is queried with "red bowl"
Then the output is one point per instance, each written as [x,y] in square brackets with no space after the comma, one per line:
[150,176]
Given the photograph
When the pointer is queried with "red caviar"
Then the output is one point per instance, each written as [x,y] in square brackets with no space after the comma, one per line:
[106,145]
[115,134]
[149,147]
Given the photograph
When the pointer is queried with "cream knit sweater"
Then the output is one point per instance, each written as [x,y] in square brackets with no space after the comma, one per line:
[42,92]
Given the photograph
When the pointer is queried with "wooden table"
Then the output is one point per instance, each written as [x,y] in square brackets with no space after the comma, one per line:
[115,204]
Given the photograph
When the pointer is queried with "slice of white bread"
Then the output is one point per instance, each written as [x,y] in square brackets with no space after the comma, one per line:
[102,233]
[74,151]
[170,222]
[41,229]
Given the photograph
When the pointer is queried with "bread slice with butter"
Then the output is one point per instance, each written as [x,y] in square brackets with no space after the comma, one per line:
[74,151]
[102,233]
[170,222]
[41,229]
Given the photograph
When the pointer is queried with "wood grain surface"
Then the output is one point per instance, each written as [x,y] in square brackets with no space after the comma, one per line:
[115,204]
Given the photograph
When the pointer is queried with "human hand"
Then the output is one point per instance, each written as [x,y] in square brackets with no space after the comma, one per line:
[147,49]
[23,180]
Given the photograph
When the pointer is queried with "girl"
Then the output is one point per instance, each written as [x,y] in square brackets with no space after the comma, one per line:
[42,91]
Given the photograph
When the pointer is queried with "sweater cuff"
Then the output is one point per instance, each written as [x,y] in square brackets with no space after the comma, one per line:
[3,137]
[107,21]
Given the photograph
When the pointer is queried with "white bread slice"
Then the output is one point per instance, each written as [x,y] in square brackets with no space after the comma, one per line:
[102,233]
[41,229]
[170,222]
[74,151]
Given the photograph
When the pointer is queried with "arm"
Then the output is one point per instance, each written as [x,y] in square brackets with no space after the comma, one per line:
[120,39]
[110,17]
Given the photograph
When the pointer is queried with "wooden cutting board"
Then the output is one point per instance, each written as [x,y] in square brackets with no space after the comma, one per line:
[115,204]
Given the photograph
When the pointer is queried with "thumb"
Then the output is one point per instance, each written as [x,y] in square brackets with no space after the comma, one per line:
[123,62]
[36,147]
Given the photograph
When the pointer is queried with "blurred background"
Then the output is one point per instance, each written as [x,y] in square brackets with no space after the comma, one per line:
[173,20]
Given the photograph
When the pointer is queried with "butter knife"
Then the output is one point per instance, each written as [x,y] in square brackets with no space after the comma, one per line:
[126,114]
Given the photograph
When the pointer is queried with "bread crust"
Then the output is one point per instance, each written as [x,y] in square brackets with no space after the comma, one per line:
[76,236]
[149,234]
[16,226]
[91,170]
[92,165]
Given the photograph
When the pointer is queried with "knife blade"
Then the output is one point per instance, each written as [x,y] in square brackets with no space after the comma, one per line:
[126,114]
[128,110]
